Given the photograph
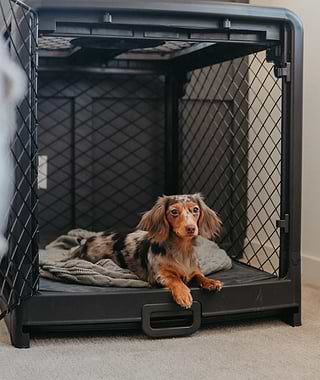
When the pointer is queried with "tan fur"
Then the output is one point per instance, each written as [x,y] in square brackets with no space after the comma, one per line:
[186,218]
[181,258]
[206,283]
[173,279]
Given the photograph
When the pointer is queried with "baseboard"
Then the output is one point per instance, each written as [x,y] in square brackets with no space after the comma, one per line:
[311,269]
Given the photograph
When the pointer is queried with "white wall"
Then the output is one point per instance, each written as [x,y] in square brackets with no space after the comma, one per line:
[309,12]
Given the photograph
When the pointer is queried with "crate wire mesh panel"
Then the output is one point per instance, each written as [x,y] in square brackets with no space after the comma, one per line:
[104,143]
[19,268]
[231,152]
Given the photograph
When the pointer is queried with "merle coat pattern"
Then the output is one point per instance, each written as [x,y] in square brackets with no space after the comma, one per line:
[161,250]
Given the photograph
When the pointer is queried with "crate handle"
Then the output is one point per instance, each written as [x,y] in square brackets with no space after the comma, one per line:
[148,309]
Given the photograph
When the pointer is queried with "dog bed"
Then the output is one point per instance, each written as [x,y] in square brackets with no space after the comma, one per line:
[59,262]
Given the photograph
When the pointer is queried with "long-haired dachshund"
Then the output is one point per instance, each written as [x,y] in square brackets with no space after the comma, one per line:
[161,251]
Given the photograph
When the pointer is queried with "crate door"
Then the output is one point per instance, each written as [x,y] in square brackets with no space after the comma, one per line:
[214,130]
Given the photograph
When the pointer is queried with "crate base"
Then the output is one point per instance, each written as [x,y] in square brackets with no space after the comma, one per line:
[248,293]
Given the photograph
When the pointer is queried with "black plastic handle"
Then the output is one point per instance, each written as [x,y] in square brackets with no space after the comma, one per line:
[171,309]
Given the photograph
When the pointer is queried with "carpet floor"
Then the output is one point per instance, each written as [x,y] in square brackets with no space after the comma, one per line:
[255,350]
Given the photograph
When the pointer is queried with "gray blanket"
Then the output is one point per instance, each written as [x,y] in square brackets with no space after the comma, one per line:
[59,261]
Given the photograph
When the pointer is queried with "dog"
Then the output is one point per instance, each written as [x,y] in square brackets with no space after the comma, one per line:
[161,249]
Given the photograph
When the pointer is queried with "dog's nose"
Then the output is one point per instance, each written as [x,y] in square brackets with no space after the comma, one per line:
[190,229]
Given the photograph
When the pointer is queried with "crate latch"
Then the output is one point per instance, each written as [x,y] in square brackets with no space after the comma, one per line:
[284,223]
[283,72]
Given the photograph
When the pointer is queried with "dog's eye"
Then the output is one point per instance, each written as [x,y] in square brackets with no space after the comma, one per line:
[174,212]
[195,210]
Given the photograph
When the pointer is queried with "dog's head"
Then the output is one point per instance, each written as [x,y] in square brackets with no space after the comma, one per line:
[187,216]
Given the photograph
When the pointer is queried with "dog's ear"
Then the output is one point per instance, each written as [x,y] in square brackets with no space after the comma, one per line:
[209,223]
[155,222]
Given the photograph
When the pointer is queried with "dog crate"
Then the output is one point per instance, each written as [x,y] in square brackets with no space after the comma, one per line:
[130,100]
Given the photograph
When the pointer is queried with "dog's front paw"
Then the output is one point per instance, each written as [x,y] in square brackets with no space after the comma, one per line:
[183,297]
[211,285]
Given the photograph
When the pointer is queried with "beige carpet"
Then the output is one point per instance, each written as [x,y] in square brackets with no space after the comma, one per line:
[255,350]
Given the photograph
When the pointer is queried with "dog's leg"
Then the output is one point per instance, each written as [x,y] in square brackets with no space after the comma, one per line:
[180,292]
[207,283]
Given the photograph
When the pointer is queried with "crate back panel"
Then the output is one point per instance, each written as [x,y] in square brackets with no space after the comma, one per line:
[104,142]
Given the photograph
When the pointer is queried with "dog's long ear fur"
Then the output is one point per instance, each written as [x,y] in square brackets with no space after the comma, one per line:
[155,222]
[209,223]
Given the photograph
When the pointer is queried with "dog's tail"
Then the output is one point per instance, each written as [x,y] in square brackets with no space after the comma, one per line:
[80,251]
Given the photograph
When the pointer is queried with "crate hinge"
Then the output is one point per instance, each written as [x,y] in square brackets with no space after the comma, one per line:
[284,223]
[283,72]
[282,68]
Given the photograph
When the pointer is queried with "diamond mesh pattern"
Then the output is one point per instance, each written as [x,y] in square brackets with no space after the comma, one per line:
[231,152]
[18,268]
[168,47]
[65,43]
[104,139]
[55,43]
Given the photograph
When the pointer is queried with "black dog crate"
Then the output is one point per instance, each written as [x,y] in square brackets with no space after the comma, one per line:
[131,100]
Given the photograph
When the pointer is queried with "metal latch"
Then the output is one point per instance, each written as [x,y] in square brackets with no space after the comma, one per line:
[107,18]
[284,223]
[226,24]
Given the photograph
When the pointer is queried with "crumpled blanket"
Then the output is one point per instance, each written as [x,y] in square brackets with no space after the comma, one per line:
[59,261]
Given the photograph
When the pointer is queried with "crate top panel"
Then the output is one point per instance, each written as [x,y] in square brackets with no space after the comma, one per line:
[187,34]
[177,6]
[174,20]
